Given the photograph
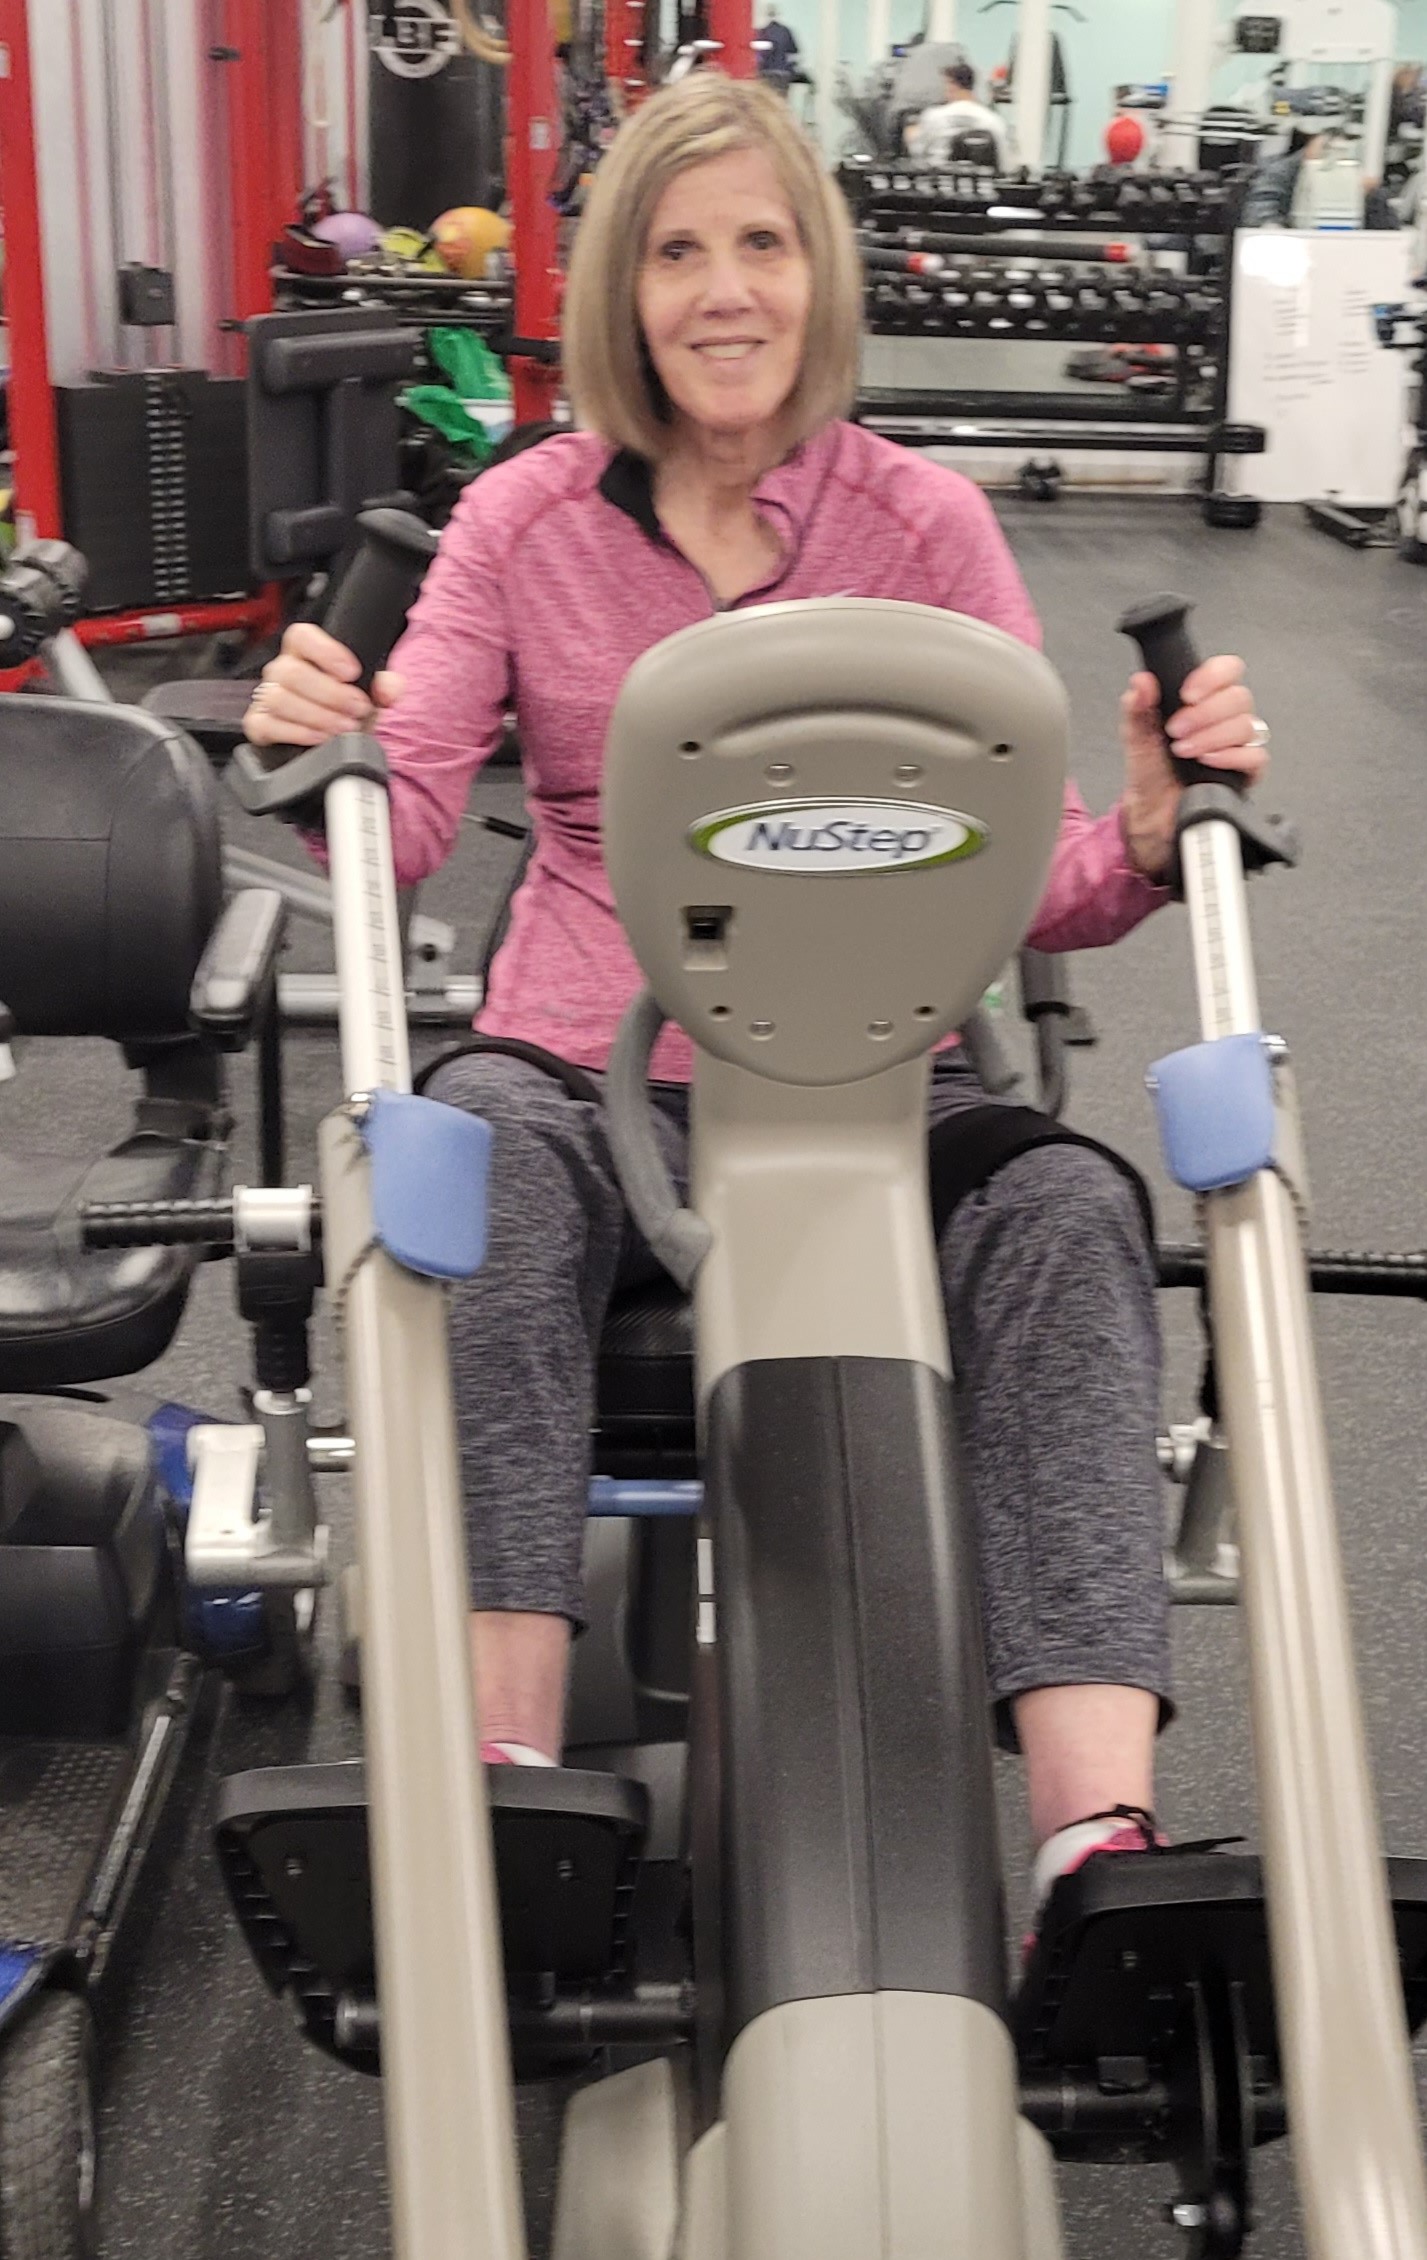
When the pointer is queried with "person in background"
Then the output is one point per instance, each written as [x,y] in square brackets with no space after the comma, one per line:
[776,48]
[1272,187]
[935,133]
[1409,98]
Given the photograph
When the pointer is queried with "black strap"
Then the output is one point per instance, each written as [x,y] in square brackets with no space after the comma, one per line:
[966,1150]
[576,1080]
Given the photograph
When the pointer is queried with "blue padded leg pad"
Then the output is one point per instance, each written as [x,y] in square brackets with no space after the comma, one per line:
[1216,1112]
[430,1165]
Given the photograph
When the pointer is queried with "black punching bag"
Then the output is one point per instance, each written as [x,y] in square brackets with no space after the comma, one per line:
[436,116]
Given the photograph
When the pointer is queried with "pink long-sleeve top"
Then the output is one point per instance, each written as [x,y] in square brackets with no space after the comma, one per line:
[553,576]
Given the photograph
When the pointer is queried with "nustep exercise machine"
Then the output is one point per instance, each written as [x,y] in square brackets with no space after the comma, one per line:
[827,826]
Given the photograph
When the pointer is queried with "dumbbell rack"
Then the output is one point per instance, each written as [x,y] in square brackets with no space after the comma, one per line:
[955,253]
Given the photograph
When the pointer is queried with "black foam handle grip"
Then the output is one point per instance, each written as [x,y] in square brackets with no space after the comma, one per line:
[1160,627]
[378,589]
[368,612]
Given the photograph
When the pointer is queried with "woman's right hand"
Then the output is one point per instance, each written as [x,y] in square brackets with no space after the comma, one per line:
[311,692]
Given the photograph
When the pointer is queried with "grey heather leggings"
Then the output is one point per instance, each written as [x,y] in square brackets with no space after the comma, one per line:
[1050,1299]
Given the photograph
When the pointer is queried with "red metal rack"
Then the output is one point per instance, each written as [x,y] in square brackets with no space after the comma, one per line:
[259,54]
[533,141]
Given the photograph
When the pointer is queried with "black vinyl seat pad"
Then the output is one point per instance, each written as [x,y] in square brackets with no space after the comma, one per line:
[64,1307]
[646,1363]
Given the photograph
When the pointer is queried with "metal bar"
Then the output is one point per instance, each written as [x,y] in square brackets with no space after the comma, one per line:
[331,1455]
[1345,2046]
[1219,926]
[1191,73]
[956,401]
[653,2016]
[305,895]
[310,1000]
[272,1126]
[447,2092]
[1200,1588]
[1349,1273]
[1012,246]
[33,432]
[1072,2104]
[922,431]
[261,613]
[162,1745]
[353,109]
[1031,91]
[166,179]
[74,672]
[371,995]
[114,166]
[88,276]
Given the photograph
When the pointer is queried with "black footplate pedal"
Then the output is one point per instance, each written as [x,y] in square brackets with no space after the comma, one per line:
[1147,1970]
[292,1842]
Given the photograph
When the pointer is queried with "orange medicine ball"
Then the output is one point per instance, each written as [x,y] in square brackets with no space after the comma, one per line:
[465,238]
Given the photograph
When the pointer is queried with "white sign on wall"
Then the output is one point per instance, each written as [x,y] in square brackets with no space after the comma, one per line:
[1306,364]
[413,38]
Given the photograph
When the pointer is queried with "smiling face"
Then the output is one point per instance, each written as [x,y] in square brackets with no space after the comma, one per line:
[724,292]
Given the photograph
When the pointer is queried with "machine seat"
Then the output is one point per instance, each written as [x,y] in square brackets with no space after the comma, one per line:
[645,1424]
[211,713]
[71,1315]
[83,1548]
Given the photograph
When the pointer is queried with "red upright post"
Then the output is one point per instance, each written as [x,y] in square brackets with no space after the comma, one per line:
[533,138]
[624,50]
[264,77]
[731,24]
[287,76]
[33,433]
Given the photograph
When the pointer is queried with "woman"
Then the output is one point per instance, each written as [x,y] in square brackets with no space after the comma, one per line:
[711,342]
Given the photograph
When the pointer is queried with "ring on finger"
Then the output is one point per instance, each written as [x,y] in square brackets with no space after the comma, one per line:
[1259,733]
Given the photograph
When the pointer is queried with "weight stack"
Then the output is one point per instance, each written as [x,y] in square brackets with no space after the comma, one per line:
[154,473]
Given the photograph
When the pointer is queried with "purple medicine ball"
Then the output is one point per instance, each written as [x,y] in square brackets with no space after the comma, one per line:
[352,233]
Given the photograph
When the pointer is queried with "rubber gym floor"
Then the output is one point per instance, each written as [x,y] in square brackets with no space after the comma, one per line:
[221,2130]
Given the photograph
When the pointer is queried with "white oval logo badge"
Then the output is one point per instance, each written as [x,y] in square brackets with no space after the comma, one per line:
[837,836]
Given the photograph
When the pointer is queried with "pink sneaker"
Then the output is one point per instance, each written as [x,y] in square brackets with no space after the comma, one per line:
[513,1754]
[1138,1832]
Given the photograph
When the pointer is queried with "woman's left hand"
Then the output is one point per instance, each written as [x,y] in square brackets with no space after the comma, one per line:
[1216,724]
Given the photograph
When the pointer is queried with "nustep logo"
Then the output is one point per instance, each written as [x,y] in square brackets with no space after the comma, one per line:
[837,836]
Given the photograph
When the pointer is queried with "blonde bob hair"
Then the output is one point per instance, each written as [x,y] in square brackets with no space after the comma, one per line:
[612,383]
